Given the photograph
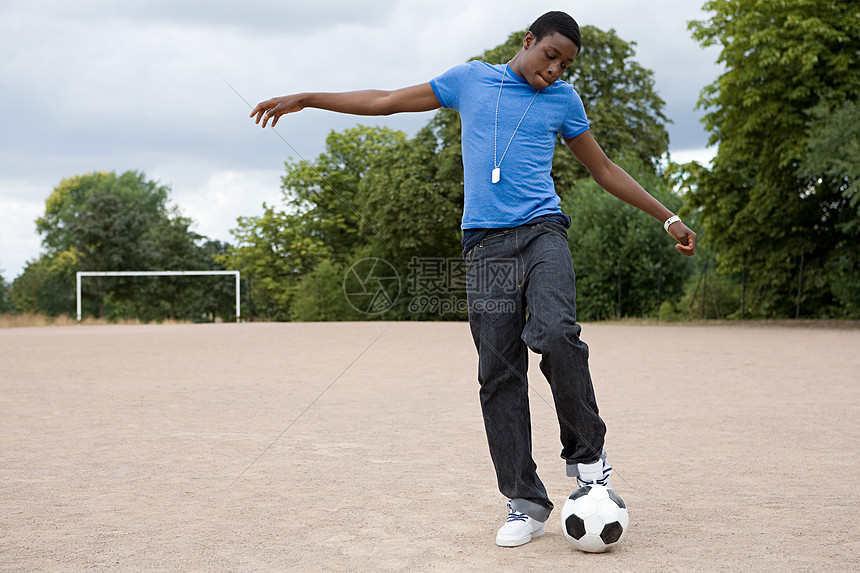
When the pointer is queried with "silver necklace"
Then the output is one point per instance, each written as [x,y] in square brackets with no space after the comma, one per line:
[497,163]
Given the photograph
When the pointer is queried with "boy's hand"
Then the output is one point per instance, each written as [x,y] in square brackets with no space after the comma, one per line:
[685,236]
[274,108]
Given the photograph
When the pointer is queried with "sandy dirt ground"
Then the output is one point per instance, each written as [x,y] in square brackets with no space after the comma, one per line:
[360,447]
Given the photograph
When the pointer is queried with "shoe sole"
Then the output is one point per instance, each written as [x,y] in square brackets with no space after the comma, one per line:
[520,540]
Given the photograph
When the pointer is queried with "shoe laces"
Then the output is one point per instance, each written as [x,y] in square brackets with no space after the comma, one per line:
[514,515]
[607,469]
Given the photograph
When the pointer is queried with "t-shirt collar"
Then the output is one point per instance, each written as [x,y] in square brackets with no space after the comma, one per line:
[514,76]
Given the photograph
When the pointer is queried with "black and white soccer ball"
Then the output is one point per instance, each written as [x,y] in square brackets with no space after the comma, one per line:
[594,518]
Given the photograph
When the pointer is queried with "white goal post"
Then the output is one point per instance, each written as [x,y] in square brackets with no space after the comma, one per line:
[81,274]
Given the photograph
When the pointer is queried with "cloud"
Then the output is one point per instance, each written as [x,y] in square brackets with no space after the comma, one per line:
[251,16]
[223,195]
[18,240]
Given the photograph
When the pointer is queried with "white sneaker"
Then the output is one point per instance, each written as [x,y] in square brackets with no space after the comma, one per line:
[519,529]
[596,473]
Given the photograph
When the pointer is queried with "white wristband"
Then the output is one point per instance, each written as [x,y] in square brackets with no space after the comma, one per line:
[669,221]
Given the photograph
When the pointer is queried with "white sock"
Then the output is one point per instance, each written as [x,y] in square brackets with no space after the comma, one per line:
[596,471]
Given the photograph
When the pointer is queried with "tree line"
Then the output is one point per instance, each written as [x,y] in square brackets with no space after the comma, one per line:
[777,213]
[105,221]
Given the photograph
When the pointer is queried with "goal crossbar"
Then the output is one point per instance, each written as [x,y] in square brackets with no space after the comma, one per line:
[81,274]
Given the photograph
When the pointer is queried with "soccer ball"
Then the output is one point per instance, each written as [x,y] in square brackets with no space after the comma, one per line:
[594,518]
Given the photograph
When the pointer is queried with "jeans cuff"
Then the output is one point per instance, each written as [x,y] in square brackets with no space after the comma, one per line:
[573,465]
[532,509]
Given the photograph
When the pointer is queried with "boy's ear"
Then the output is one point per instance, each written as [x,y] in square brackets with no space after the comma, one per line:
[529,40]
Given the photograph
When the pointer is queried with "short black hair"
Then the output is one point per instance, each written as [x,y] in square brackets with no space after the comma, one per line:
[557,22]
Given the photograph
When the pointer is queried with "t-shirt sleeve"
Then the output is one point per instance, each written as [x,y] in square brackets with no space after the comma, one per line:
[447,86]
[575,122]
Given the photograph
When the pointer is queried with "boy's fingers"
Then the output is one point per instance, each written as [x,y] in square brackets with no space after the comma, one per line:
[259,110]
[689,248]
[263,111]
[271,110]
[268,115]
[686,238]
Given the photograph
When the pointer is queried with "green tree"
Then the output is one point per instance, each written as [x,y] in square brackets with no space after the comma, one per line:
[106,222]
[833,147]
[833,159]
[273,251]
[625,264]
[73,200]
[770,205]
[375,193]
[217,297]
[410,199]
[618,94]
[325,193]
[47,285]
[323,218]
[97,221]
[6,305]
[427,170]
[320,295]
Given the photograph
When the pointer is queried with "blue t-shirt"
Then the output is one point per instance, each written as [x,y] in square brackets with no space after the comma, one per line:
[525,190]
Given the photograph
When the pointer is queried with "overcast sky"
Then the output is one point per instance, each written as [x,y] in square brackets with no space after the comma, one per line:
[107,85]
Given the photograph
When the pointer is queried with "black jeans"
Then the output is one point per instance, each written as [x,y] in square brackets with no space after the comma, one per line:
[521,292]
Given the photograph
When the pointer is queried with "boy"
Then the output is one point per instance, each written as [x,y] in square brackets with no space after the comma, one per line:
[511,116]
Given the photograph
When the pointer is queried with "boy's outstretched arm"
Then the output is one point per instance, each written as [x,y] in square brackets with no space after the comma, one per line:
[366,102]
[617,182]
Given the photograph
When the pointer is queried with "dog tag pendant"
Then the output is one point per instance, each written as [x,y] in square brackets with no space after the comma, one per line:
[497,174]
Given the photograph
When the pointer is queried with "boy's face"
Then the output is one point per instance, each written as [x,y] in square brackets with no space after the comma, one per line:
[542,63]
